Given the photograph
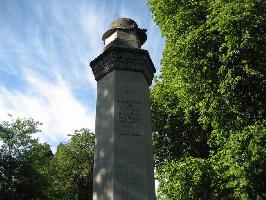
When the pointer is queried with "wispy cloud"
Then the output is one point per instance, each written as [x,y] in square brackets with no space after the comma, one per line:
[53,104]
[45,50]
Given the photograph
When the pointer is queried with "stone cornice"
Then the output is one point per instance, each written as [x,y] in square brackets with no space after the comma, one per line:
[119,58]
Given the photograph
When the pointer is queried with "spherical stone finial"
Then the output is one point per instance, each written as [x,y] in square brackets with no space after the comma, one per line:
[127,25]
[124,23]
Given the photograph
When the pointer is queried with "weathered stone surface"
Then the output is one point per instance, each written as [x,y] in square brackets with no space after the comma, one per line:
[122,38]
[119,58]
[123,168]
[123,161]
[104,129]
[126,24]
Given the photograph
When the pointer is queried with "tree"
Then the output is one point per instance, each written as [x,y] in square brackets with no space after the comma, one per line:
[72,168]
[29,170]
[22,160]
[209,101]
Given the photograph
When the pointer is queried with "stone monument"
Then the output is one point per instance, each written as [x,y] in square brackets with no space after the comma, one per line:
[123,168]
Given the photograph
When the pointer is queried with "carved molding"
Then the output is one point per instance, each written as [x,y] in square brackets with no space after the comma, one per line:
[119,58]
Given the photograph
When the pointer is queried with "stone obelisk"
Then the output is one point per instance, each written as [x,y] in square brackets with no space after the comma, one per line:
[123,168]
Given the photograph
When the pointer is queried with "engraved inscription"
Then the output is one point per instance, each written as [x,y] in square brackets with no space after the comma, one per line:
[128,91]
[130,187]
[128,113]
[130,183]
[128,105]
[130,133]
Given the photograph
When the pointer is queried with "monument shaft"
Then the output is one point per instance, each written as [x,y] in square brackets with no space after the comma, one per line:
[123,160]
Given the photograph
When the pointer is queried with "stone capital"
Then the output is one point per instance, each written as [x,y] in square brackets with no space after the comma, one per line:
[121,58]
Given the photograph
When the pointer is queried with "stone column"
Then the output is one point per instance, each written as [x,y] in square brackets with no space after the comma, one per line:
[123,168]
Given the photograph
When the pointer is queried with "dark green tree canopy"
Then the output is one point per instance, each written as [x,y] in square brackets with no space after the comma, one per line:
[72,167]
[209,100]
[22,161]
[29,169]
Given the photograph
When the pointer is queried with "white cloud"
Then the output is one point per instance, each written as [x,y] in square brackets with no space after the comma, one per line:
[52,104]
[61,37]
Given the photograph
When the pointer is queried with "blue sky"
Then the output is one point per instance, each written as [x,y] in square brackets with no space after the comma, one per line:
[45,50]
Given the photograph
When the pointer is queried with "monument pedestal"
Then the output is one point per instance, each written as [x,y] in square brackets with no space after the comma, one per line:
[123,167]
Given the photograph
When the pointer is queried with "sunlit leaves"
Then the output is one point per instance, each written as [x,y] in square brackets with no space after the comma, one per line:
[211,92]
[72,167]
[189,178]
[23,161]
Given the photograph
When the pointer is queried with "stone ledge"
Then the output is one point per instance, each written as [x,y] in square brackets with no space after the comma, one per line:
[120,58]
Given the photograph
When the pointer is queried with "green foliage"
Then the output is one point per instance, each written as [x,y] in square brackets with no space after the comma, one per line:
[215,61]
[209,101]
[189,178]
[72,168]
[29,170]
[174,137]
[241,165]
[17,136]
[22,160]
